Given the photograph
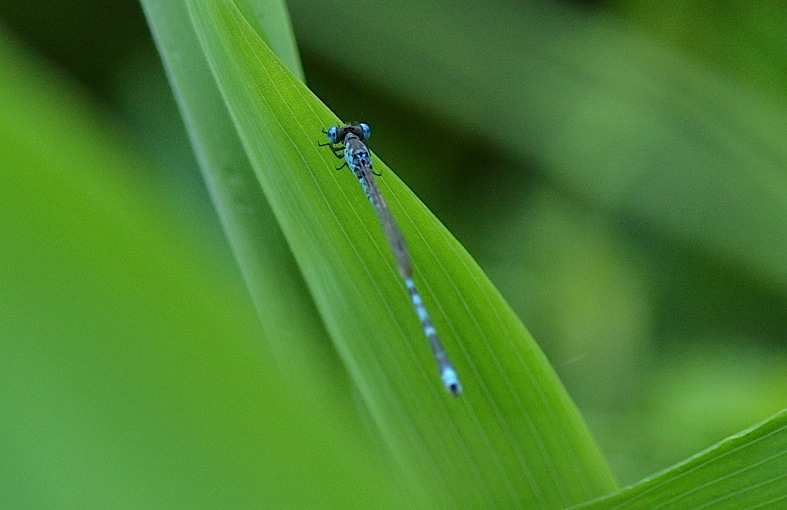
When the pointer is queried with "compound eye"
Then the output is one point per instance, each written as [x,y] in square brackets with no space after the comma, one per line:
[333,134]
[365,130]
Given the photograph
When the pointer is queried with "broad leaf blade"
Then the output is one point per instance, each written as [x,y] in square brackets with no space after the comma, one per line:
[514,437]
[131,373]
[286,310]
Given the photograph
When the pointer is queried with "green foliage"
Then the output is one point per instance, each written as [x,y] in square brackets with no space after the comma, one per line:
[339,249]
[133,372]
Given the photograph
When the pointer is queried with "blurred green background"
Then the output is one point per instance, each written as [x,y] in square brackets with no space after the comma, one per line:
[640,230]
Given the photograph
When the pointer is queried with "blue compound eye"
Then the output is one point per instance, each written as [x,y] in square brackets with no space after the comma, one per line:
[366,130]
[333,134]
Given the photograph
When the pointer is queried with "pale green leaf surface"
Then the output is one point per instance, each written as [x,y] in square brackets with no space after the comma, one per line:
[286,310]
[131,368]
[271,20]
[513,437]
[745,471]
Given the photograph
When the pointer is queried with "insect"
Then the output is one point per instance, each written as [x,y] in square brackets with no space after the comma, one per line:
[348,142]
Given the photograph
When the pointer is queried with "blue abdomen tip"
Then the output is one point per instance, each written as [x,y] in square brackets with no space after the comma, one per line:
[451,381]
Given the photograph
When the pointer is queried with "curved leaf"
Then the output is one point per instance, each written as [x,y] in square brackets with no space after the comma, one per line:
[748,470]
[513,437]
[131,373]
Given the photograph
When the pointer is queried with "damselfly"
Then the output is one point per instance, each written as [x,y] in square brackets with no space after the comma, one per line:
[347,142]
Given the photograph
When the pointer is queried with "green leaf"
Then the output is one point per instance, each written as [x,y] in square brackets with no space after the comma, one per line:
[131,368]
[514,435]
[747,470]
[627,198]
[275,284]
